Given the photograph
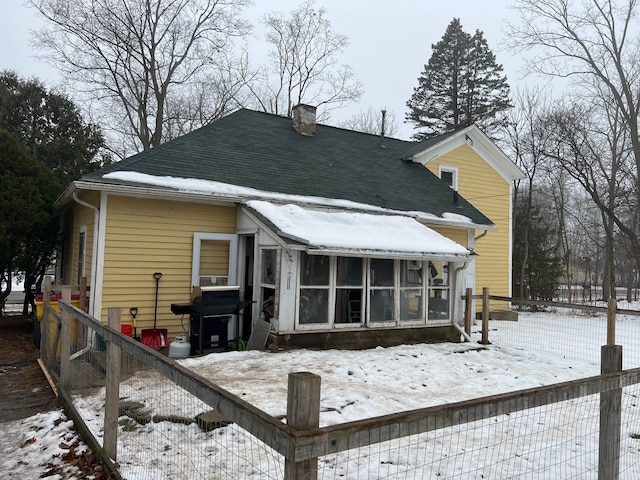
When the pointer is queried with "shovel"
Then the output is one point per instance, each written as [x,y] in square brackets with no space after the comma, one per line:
[156,337]
[134,311]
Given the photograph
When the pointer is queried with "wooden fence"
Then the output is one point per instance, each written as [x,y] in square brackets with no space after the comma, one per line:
[301,442]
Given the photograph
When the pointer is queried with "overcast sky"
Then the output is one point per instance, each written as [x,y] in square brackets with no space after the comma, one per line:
[390,42]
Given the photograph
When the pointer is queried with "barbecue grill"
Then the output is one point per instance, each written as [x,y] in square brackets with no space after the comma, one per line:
[210,314]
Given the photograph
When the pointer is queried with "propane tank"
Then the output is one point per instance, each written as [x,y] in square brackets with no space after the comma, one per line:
[179,348]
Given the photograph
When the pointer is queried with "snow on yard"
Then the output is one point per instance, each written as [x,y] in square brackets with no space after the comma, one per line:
[368,383]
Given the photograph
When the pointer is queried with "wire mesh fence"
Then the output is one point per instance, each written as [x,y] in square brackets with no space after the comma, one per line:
[560,440]
[163,430]
[571,332]
[167,431]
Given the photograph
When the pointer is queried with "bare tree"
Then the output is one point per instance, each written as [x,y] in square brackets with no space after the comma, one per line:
[525,140]
[303,64]
[594,43]
[137,57]
[371,121]
[592,146]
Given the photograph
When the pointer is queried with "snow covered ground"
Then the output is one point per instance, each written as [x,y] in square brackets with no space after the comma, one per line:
[363,384]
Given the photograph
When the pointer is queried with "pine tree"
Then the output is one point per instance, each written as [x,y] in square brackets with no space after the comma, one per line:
[462,84]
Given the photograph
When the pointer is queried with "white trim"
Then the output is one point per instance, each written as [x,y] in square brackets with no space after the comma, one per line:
[481,144]
[510,223]
[99,261]
[233,255]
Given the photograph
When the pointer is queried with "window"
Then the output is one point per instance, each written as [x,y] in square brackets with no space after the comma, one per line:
[381,293]
[411,290]
[269,271]
[215,257]
[450,176]
[350,291]
[82,248]
[439,292]
[349,282]
[314,289]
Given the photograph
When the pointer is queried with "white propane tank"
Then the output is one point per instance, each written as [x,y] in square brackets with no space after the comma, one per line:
[179,348]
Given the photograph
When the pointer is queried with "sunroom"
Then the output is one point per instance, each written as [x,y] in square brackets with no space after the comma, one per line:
[336,277]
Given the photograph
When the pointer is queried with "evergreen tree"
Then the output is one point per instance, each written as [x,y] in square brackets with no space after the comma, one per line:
[51,128]
[28,230]
[462,84]
[45,144]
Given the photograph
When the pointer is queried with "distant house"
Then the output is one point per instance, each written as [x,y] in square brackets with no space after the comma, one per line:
[331,233]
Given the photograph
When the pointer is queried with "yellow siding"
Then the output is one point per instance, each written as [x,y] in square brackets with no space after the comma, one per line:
[144,236]
[481,185]
[214,258]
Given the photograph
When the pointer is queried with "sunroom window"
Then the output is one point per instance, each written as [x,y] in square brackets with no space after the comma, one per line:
[439,293]
[268,267]
[381,293]
[349,291]
[349,283]
[314,289]
[411,290]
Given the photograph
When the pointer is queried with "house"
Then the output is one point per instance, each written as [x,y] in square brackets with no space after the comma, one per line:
[336,238]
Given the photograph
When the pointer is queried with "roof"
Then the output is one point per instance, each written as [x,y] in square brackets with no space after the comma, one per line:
[321,231]
[263,152]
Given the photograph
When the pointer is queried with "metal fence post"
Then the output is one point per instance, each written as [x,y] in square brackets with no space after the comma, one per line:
[112,389]
[303,412]
[610,404]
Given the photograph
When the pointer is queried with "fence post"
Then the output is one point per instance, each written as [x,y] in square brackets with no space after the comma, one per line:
[112,389]
[610,404]
[65,343]
[485,316]
[303,412]
[45,338]
[467,310]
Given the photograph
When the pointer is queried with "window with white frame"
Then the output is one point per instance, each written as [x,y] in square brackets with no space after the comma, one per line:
[315,275]
[439,292]
[349,290]
[214,259]
[411,290]
[343,291]
[268,276]
[381,290]
[449,175]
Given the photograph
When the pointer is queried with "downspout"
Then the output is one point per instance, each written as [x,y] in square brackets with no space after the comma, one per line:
[460,330]
[94,247]
[480,236]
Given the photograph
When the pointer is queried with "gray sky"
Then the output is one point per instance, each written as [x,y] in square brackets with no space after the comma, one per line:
[390,42]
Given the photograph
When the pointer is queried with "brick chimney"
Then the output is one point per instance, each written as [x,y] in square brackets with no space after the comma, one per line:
[304,119]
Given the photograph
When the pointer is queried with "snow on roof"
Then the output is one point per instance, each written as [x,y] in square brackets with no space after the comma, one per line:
[353,232]
[194,185]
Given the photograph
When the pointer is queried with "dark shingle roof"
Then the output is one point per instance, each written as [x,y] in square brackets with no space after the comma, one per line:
[263,151]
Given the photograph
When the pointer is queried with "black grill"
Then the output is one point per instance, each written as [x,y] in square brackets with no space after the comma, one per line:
[210,314]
